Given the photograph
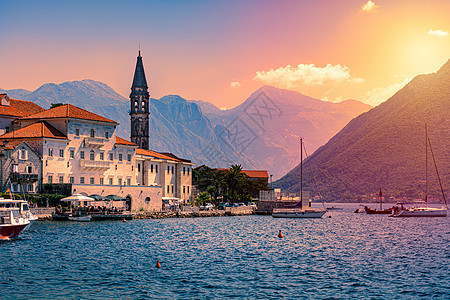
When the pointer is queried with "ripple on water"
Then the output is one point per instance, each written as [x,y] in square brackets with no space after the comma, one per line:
[346,256]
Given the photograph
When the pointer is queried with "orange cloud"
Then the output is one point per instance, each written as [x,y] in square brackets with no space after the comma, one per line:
[438,33]
[369,6]
[306,74]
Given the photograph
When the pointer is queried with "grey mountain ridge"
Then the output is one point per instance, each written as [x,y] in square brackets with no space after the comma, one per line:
[200,131]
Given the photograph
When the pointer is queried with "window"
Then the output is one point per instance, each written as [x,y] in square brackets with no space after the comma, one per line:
[92,180]
[168,189]
[128,181]
[188,169]
[102,156]
[91,155]
[61,152]
[184,189]
[110,181]
[184,170]
[23,154]
[151,168]
[82,154]
[77,132]
[6,129]
[61,179]
[92,132]
[120,181]
[29,169]
[139,167]
[172,170]
[188,189]
[135,103]
[50,151]
[172,188]
[106,135]
[71,179]
[16,168]
[111,156]
[101,180]
[120,156]
[129,157]
[30,188]
[50,179]
[156,168]
[82,180]
[68,164]
[168,169]
[72,153]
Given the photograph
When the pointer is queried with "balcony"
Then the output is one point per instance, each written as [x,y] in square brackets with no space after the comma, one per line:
[94,142]
[97,164]
[24,177]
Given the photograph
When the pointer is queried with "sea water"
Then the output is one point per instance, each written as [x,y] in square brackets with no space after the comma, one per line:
[353,256]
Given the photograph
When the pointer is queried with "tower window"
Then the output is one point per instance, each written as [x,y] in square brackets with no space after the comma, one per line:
[92,132]
[92,155]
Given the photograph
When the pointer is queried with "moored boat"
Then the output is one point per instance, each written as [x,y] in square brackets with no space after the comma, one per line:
[24,209]
[11,223]
[381,211]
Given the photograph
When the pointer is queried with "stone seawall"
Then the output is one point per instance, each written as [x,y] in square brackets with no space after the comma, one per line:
[43,213]
[229,211]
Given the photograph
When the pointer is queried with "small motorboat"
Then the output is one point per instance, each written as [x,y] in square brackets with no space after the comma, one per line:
[85,218]
[11,223]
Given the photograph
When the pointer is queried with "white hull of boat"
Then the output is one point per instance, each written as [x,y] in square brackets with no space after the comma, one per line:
[31,223]
[422,212]
[81,219]
[300,213]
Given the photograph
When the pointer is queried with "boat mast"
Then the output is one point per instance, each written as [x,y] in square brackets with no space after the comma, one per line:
[301,171]
[437,173]
[426,165]
[381,195]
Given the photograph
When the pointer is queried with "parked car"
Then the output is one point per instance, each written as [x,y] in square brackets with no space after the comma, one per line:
[222,206]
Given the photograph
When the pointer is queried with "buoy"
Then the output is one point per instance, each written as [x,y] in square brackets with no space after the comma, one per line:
[158,265]
[124,220]
[280,235]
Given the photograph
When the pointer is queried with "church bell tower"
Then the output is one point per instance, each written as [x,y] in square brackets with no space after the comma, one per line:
[139,112]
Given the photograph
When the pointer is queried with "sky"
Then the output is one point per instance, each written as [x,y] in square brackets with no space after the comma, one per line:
[223,51]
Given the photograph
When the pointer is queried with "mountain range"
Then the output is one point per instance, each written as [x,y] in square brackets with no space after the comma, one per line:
[261,133]
[385,147]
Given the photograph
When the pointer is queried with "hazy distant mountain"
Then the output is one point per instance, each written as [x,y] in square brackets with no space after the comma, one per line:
[271,122]
[385,147]
[16,93]
[261,133]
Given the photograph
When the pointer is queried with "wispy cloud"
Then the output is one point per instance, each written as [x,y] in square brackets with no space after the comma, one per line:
[370,6]
[439,32]
[306,74]
[381,94]
[235,84]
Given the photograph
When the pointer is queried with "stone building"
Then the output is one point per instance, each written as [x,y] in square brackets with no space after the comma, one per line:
[20,168]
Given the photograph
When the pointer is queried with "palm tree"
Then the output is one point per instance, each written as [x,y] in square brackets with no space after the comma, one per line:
[234,178]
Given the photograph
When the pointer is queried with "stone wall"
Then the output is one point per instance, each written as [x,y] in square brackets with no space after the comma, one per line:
[147,198]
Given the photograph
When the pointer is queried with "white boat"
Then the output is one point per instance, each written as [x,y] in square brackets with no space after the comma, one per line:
[402,211]
[24,209]
[11,222]
[85,218]
[299,210]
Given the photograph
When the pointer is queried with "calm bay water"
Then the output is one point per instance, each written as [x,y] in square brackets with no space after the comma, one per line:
[346,256]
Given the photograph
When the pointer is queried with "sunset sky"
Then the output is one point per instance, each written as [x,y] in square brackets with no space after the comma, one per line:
[222,51]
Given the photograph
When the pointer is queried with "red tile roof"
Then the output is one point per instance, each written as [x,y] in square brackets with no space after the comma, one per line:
[36,130]
[155,154]
[122,141]
[69,111]
[253,173]
[20,108]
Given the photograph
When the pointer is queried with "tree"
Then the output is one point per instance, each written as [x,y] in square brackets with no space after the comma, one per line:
[53,105]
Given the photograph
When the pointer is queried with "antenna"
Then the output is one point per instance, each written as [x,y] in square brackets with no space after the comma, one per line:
[139,48]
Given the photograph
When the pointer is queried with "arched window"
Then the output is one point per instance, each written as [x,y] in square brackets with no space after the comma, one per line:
[92,155]
[92,132]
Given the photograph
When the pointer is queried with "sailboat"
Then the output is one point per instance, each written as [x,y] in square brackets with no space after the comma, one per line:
[381,211]
[298,210]
[424,211]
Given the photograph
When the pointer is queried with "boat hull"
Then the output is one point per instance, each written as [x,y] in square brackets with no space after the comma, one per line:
[289,213]
[371,211]
[11,231]
[421,213]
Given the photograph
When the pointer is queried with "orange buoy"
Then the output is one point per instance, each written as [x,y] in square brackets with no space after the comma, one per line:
[280,235]
[158,265]
[124,220]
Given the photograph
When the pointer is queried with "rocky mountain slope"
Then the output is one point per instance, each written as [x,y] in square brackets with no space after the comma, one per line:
[385,147]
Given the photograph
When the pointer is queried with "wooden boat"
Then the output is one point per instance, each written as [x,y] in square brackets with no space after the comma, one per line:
[402,211]
[381,211]
[298,210]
